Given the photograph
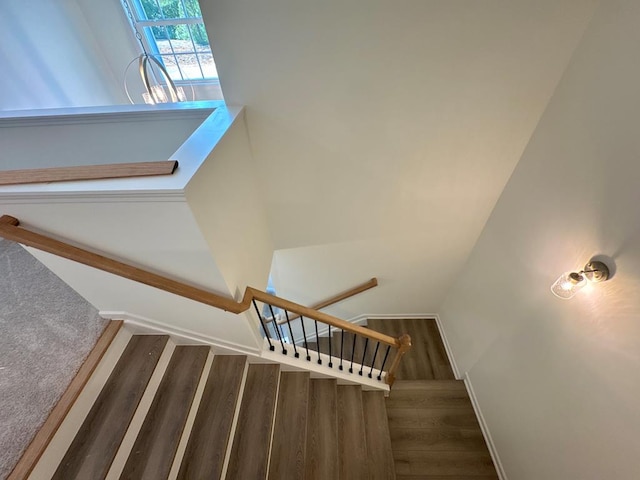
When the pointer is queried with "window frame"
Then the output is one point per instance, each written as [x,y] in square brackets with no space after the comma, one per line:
[144,26]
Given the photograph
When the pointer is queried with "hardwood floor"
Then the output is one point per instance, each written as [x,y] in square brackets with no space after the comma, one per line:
[352,447]
[290,429]
[427,359]
[434,431]
[153,451]
[205,452]
[381,462]
[249,457]
[95,445]
[322,430]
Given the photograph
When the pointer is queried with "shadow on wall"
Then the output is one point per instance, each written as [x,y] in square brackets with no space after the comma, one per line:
[46,331]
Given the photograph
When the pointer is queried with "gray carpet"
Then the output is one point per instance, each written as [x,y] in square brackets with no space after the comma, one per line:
[46,331]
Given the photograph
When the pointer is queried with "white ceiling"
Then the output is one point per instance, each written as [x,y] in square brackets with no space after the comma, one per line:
[384,131]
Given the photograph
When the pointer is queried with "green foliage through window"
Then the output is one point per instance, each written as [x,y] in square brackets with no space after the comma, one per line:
[175,9]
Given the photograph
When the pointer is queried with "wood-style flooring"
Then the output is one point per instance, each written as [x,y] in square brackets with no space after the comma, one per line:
[95,445]
[427,359]
[434,431]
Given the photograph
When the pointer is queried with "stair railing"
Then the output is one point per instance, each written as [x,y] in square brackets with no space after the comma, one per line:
[11,230]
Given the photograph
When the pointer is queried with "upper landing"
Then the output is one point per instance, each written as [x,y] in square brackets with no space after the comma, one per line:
[185,132]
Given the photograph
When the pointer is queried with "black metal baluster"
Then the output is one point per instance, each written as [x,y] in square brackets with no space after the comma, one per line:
[264,327]
[353,351]
[373,362]
[282,334]
[284,350]
[318,343]
[330,362]
[304,334]
[364,352]
[384,361]
[341,350]
[295,349]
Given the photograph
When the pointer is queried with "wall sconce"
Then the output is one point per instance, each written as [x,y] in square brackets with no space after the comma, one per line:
[571,283]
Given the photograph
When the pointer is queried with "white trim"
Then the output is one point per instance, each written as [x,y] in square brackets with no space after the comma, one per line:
[109,114]
[191,419]
[140,415]
[427,316]
[362,320]
[61,441]
[234,422]
[273,421]
[138,325]
[447,347]
[485,429]
[289,363]
[113,196]
[324,330]
[181,336]
[384,316]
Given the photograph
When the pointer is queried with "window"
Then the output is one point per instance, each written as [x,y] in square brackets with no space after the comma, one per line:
[174,33]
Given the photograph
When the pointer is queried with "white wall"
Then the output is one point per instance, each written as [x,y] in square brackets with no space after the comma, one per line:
[385,130]
[94,139]
[557,381]
[160,236]
[226,200]
[146,222]
[69,53]
[50,58]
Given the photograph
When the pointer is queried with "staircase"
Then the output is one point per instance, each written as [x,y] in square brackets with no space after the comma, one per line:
[180,412]
[434,430]
[166,411]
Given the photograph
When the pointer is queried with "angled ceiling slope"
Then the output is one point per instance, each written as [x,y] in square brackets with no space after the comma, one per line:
[384,131]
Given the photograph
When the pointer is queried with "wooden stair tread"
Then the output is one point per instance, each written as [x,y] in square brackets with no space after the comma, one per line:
[250,450]
[322,431]
[427,358]
[97,441]
[447,477]
[153,451]
[352,445]
[443,418]
[206,449]
[290,429]
[445,464]
[379,452]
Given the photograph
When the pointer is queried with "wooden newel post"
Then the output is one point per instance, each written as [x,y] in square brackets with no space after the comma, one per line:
[404,345]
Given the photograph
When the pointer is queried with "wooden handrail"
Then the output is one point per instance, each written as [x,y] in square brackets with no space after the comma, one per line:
[405,346]
[335,299]
[11,230]
[322,317]
[87,172]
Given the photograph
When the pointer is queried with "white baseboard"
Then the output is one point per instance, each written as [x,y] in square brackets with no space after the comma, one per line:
[360,319]
[384,316]
[485,429]
[447,347]
[141,325]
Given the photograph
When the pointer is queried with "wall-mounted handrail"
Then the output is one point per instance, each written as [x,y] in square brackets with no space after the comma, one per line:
[88,172]
[363,287]
[11,230]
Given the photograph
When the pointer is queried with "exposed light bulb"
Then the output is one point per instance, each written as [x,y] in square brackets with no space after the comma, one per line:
[158,93]
[148,99]
[568,284]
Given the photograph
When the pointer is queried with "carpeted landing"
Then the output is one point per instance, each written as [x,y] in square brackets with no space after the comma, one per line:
[46,331]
